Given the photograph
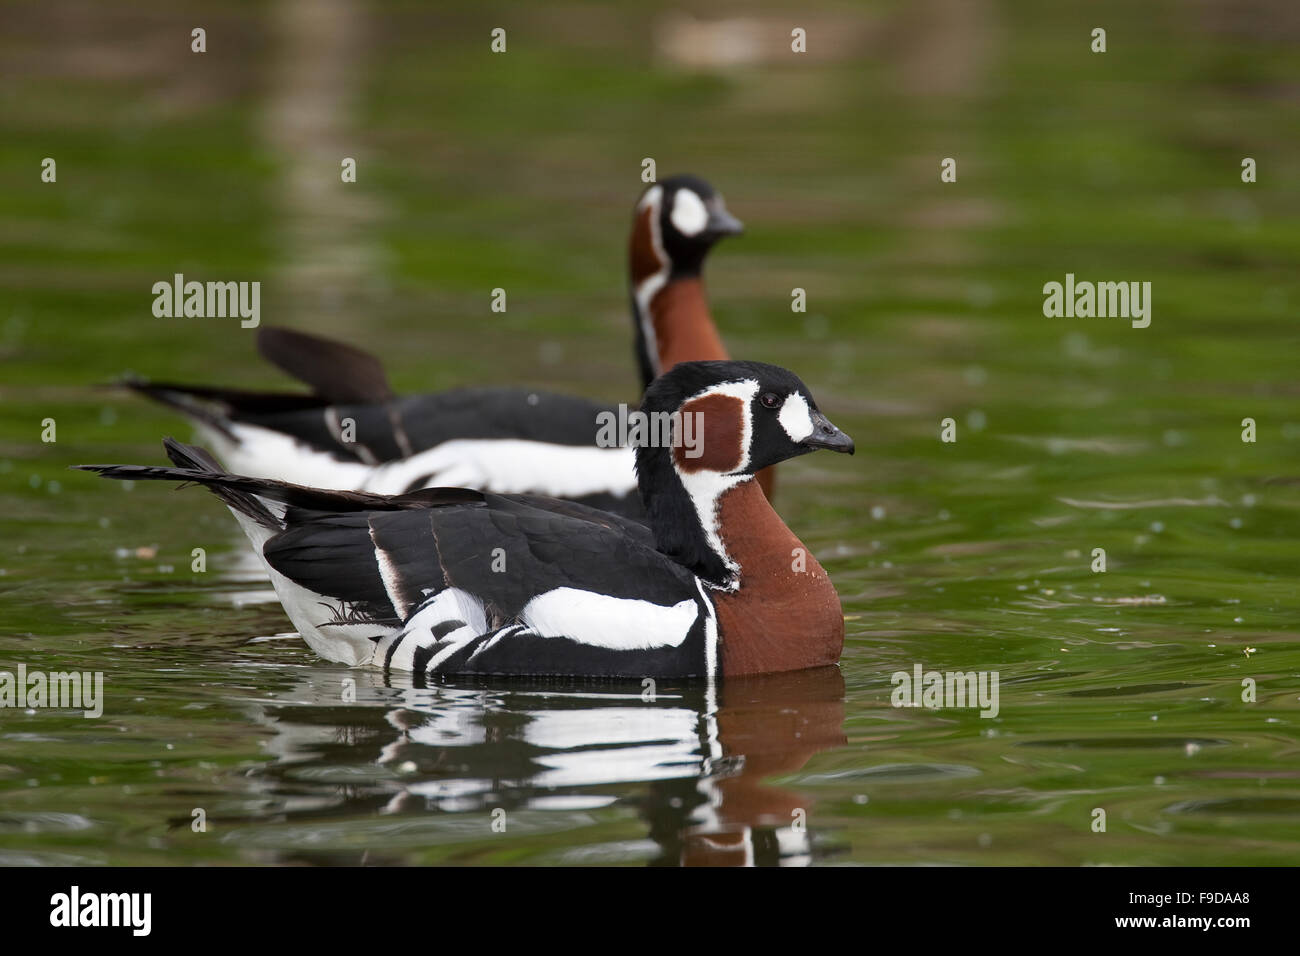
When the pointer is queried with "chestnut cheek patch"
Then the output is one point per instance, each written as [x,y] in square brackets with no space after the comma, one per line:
[717,424]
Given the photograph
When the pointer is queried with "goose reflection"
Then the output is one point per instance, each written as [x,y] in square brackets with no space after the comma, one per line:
[693,762]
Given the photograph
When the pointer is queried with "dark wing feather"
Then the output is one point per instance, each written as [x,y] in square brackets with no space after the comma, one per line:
[334,553]
[545,549]
[396,430]
[505,551]
[339,373]
[216,407]
[430,420]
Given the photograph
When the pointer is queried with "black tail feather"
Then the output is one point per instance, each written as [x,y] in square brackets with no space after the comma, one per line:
[215,407]
[192,457]
[194,465]
[185,399]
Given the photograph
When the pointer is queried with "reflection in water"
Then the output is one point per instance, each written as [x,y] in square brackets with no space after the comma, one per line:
[695,769]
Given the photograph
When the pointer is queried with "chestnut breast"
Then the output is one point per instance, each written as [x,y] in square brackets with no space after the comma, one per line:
[786,614]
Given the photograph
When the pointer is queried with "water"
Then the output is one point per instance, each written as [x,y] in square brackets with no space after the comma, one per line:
[1120,690]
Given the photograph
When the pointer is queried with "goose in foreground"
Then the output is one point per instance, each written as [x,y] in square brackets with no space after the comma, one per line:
[351,432]
[450,581]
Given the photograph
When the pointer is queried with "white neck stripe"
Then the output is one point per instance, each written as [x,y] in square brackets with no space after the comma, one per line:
[705,488]
[645,290]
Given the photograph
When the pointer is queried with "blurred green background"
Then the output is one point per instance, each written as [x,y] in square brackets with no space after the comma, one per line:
[518,170]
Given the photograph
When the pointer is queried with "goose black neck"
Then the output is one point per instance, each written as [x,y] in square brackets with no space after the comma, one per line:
[672,516]
[645,362]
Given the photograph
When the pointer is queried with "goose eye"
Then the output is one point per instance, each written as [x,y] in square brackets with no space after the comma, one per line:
[770,400]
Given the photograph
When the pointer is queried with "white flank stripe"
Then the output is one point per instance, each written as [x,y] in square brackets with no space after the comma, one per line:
[497,638]
[263,453]
[503,466]
[451,604]
[598,620]
[512,466]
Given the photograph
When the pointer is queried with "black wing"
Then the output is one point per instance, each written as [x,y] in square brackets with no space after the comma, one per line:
[337,373]
[348,383]
[460,570]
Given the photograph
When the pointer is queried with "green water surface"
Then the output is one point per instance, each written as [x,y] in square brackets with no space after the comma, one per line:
[1120,691]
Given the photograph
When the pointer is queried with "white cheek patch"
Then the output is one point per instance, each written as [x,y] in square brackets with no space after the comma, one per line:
[795,418]
[689,216]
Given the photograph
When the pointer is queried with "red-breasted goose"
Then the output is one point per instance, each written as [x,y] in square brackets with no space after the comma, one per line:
[449,581]
[352,433]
